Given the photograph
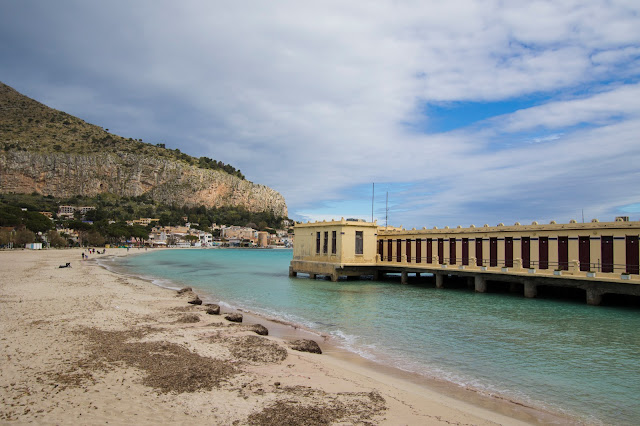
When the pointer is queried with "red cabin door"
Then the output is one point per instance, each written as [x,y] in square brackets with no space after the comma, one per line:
[479,259]
[452,251]
[632,254]
[408,250]
[429,250]
[526,252]
[563,253]
[606,244]
[418,250]
[584,253]
[398,250]
[389,250]
[493,251]
[543,252]
[508,252]
[440,251]
[465,251]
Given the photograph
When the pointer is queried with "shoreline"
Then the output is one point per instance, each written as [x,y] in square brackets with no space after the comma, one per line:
[286,330]
[407,399]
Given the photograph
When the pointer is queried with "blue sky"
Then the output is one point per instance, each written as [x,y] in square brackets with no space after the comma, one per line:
[464,112]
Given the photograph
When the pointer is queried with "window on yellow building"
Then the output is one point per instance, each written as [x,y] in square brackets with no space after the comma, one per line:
[325,246]
[359,243]
[334,242]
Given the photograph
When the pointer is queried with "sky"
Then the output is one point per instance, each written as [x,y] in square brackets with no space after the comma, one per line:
[458,112]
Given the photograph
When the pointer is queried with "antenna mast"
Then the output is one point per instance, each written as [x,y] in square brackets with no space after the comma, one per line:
[386,216]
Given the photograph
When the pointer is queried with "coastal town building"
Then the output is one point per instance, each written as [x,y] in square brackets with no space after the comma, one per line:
[68,211]
[598,257]
[144,221]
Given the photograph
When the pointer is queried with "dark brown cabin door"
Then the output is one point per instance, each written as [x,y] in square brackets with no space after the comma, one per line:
[525,246]
[440,251]
[543,252]
[380,248]
[399,250]
[389,250]
[418,250]
[465,251]
[493,251]
[429,250]
[563,253]
[632,254]
[479,259]
[584,253]
[606,244]
[408,250]
[508,252]
[452,251]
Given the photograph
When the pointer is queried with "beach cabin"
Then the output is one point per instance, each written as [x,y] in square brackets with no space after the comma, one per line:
[345,247]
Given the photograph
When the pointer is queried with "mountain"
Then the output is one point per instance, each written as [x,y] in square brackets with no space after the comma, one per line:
[53,153]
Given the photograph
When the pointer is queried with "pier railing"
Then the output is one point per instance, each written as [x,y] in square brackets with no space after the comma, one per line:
[516,266]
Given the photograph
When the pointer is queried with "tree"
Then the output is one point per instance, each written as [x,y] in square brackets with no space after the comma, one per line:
[94,238]
[191,238]
[38,222]
[24,236]
[140,233]
[5,238]
[55,239]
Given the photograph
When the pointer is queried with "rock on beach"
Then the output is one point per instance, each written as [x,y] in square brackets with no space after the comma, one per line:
[305,345]
[233,317]
[213,309]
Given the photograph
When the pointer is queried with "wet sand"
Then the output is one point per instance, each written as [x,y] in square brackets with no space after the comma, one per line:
[87,345]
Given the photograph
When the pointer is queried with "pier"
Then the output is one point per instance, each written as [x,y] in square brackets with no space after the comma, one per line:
[598,258]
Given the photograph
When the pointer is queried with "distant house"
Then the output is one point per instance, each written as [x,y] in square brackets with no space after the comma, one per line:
[144,221]
[68,211]
[239,233]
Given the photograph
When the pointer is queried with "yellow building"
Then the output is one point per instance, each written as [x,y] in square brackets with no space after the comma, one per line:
[334,248]
[552,254]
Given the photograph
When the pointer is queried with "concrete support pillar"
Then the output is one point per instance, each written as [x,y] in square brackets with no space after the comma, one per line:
[404,277]
[312,276]
[376,275]
[417,274]
[471,282]
[480,284]
[594,297]
[439,281]
[334,277]
[530,289]
[292,273]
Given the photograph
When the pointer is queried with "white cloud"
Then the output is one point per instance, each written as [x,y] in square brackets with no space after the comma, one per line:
[310,98]
[621,102]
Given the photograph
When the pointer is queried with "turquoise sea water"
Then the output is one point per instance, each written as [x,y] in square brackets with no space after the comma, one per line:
[562,356]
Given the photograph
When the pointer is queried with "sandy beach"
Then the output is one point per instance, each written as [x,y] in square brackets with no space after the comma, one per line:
[86,345]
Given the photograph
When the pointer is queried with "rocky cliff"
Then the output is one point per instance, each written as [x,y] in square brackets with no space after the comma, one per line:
[65,175]
[53,153]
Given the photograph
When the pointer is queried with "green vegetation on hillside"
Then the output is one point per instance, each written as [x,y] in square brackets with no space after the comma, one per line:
[118,210]
[27,125]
